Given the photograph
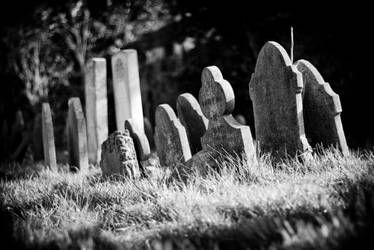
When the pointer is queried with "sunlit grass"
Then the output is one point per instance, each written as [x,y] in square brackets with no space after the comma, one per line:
[291,204]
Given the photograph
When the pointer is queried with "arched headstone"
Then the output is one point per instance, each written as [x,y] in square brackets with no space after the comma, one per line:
[275,89]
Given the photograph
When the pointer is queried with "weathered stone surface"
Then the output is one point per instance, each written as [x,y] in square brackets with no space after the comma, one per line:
[96,107]
[48,137]
[193,120]
[275,89]
[322,108]
[140,140]
[170,137]
[118,156]
[77,136]
[224,134]
[126,86]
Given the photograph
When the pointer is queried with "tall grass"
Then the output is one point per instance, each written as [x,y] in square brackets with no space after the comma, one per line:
[323,202]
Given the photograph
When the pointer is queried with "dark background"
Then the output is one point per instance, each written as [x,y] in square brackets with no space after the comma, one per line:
[335,38]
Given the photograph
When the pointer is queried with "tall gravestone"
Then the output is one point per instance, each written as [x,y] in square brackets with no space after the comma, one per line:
[96,107]
[140,141]
[192,118]
[170,137]
[77,135]
[48,137]
[322,109]
[126,87]
[224,136]
[275,89]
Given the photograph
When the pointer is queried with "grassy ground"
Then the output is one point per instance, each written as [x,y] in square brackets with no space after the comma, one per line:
[324,203]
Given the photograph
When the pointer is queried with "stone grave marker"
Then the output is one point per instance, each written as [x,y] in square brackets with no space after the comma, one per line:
[77,135]
[140,141]
[48,137]
[96,107]
[170,137]
[126,88]
[118,156]
[275,89]
[224,136]
[322,109]
[192,118]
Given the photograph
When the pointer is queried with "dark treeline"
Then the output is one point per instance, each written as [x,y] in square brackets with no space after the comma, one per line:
[227,34]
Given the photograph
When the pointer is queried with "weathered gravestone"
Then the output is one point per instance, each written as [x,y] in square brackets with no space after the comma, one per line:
[77,135]
[192,118]
[96,107]
[48,137]
[126,87]
[170,137]
[275,89]
[322,108]
[140,141]
[224,136]
[118,156]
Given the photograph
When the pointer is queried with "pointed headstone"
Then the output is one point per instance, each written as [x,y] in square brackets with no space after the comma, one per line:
[48,137]
[170,137]
[322,109]
[118,156]
[192,118]
[126,88]
[275,89]
[77,135]
[96,107]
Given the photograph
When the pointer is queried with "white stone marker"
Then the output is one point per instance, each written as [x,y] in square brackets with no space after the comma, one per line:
[126,87]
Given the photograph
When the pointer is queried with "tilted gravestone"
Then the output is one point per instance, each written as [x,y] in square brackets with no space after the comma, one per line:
[192,118]
[170,137]
[322,108]
[140,141]
[77,136]
[118,156]
[126,88]
[96,107]
[224,136]
[275,89]
[48,137]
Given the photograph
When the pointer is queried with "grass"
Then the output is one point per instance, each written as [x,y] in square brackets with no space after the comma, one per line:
[326,202]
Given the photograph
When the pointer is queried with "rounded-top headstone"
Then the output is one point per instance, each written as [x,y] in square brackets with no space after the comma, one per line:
[216,95]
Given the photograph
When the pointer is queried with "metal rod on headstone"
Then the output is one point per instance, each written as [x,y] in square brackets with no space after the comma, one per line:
[126,86]
[48,137]
[96,107]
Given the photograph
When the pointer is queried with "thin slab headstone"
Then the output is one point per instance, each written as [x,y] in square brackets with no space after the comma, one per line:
[118,156]
[140,140]
[275,89]
[224,136]
[322,109]
[77,136]
[48,137]
[192,118]
[126,87]
[96,107]
[170,137]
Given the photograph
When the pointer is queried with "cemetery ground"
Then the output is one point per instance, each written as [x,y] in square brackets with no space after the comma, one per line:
[325,202]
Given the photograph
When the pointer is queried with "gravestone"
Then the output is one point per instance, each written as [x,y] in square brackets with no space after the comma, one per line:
[224,136]
[96,107]
[126,88]
[170,137]
[37,141]
[77,136]
[322,109]
[118,156]
[48,137]
[192,118]
[140,141]
[275,89]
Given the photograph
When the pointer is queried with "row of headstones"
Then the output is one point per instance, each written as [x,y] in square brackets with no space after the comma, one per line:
[283,95]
